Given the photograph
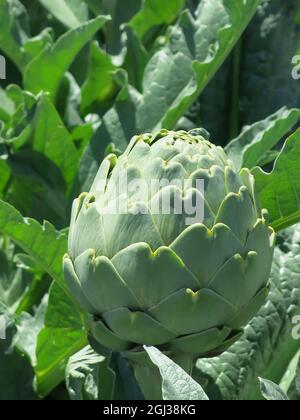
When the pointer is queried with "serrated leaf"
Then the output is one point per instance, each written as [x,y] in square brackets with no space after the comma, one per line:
[279,191]
[14,283]
[256,140]
[62,336]
[16,374]
[54,347]
[176,384]
[28,327]
[267,345]
[42,242]
[88,376]
[197,47]
[47,70]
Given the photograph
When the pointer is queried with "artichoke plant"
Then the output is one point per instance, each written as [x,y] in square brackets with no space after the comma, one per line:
[150,278]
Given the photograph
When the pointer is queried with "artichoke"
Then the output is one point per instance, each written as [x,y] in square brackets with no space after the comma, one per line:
[167,279]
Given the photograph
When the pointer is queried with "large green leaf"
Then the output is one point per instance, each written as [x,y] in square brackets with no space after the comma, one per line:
[16,374]
[63,335]
[121,12]
[71,13]
[7,107]
[279,191]
[14,282]
[136,59]
[269,43]
[197,47]
[42,242]
[42,174]
[267,345]
[47,70]
[14,38]
[42,177]
[154,13]
[99,85]
[4,175]
[37,188]
[29,326]
[14,26]
[256,80]
[256,140]
[50,137]
[15,128]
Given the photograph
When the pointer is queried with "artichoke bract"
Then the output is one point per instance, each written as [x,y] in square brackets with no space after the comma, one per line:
[187,279]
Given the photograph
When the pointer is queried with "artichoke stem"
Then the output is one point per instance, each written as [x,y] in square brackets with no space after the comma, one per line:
[186,361]
[149,380]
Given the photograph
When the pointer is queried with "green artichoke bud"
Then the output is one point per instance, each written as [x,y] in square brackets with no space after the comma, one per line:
[185,280]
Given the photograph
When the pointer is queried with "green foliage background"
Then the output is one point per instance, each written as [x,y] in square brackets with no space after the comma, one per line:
[83,77]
